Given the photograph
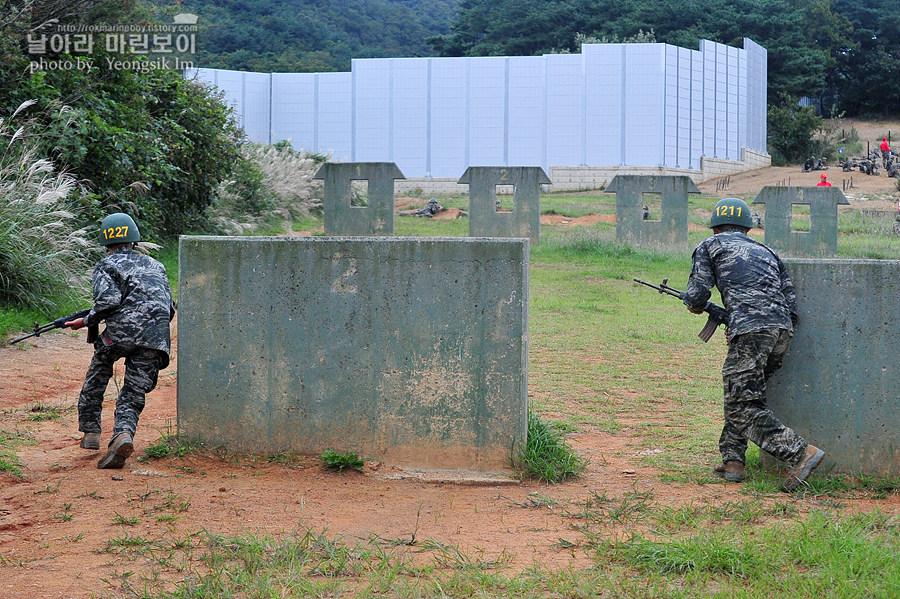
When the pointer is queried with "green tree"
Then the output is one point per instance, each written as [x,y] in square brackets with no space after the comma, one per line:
[866,74]
[149,143]
[791,131]
[807,40]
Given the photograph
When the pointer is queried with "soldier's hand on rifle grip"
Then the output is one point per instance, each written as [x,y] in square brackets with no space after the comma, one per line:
[693,311]
[75,324]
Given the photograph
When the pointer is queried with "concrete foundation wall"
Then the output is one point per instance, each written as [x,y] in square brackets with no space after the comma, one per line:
[408,351]
[580,178]
[839,383]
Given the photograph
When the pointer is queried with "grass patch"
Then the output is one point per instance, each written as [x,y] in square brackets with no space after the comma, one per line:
[10,441]
[823,555]
[41,412]
[546,456]
[168,446]
[334,460]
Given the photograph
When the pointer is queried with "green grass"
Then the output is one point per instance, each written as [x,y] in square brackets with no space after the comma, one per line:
[168,446]
[710,554]
[579,204]
[334,460]
[10,441]
[546,457]
[41,412]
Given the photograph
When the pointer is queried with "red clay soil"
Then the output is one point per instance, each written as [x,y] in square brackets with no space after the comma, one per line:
[56,523]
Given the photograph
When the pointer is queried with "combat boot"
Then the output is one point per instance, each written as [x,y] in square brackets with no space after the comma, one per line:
[90,441]
[799,472]
[120,448]
[731,471]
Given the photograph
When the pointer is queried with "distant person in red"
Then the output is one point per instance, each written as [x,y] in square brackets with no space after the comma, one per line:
[824,182]
[885,152]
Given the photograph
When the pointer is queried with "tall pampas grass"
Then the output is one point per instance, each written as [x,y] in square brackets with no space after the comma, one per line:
[286,192]
[44,259]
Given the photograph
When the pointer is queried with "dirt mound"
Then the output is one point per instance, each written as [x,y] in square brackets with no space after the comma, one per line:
[586,220]
[450,214]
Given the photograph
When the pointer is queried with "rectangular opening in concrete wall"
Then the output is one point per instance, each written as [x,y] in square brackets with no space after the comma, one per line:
[505,198]
[651,209]
[800,217]
[359,192]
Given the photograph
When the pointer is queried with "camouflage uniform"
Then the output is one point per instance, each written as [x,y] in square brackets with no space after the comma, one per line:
[132,294]
[762,308]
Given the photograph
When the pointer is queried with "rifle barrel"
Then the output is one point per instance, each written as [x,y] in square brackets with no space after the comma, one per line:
[662,289]
[56,324]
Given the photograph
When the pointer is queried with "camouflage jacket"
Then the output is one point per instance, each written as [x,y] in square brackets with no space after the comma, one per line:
[755,287]
[132,294]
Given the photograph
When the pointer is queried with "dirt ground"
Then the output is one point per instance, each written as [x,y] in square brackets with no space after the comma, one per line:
[57,522]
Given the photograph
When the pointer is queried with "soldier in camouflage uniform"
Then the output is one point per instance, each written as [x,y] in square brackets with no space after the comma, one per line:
[762,312]
[132,295]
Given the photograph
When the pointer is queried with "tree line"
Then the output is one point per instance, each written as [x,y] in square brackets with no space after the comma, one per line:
[845,51]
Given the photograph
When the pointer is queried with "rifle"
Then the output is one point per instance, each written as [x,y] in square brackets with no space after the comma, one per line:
[56,324]
[717,314]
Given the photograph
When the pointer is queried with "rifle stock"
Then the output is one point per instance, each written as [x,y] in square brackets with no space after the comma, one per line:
[717,314]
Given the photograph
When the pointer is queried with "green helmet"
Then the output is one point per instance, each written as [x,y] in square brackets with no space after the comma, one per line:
[731,211]
[118,228]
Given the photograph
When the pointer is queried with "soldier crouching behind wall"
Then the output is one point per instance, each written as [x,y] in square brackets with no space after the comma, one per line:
[132,295]
[762,312]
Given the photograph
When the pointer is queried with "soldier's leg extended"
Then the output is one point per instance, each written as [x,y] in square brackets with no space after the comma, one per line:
[90,401]
[752,358]
[141,372]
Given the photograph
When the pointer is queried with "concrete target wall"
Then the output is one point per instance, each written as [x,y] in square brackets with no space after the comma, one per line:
[411,351]
[839,383]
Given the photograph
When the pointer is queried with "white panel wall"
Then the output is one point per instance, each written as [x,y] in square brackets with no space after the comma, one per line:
[684,109]
[409,114]
[611,105]
[742,100]
[335,116]
[449,117]
[732,103]
[488,87]
[604,77]
[645,105]
[757,77]
[372,114]
[257,105]
[294,107]
[672,102]
[564,110]
[698,109]
[526,111]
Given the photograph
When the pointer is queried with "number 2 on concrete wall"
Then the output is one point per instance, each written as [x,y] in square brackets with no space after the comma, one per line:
[345,262]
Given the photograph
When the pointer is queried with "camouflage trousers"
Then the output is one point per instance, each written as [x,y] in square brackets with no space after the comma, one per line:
[141,370]
[752,359]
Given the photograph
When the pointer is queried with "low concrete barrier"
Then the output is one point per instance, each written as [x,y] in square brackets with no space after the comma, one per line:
[410,351]
[840,381]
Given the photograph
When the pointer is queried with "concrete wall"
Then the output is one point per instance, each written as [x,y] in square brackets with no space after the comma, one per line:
[670,230]
[409,351]
[821,240]
[580,178]
[525,218]
[839,384]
